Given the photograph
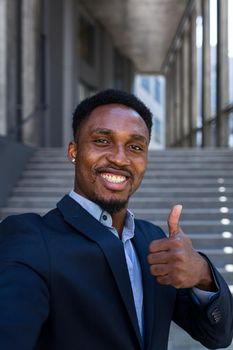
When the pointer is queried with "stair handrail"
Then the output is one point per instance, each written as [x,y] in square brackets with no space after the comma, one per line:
[15,131]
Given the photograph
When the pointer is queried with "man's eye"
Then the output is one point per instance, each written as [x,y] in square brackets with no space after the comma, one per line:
[136,148]
[101,141]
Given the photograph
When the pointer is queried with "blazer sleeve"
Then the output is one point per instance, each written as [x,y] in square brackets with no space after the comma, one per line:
[24,296]
[212,323]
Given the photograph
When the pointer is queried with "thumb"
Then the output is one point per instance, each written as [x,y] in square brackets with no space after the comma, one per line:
[173,220]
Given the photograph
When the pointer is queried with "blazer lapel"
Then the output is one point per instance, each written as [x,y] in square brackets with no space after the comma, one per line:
[141,244]
[111,247]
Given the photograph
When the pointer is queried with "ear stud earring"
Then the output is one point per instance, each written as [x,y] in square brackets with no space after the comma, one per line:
[73,160]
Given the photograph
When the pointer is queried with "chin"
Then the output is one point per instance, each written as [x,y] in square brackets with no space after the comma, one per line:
[111,205]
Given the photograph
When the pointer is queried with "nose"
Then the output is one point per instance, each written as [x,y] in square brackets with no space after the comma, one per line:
[118,156]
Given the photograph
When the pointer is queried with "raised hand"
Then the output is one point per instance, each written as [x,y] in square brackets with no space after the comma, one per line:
[173,261]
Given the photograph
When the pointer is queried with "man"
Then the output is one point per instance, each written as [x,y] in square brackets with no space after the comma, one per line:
[87,275]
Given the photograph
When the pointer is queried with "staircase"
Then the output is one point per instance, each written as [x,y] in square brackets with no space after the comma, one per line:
[200,180]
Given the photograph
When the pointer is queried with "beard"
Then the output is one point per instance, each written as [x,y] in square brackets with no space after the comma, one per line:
[112,206]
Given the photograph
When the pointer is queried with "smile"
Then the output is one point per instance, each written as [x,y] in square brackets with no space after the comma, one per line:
[116,179]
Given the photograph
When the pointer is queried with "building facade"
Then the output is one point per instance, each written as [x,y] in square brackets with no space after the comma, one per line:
[199,103]
[53,54]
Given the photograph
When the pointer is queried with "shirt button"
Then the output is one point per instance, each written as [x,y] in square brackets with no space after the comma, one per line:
[105,217]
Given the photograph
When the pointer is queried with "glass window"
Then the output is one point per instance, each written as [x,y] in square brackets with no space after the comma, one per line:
[157,90]
[145,83]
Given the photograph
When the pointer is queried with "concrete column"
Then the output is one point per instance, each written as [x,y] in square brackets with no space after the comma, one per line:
[177,92]
[206,107]
[14,71]
[31,74]
[192,80]
[56,54]
[222,90]
[3,67]
[184,126]
[69,69]
[169,108]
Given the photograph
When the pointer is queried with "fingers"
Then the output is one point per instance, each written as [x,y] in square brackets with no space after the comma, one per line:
[173,220]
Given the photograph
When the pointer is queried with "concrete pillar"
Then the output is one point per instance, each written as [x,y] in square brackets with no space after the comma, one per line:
[206,65]
[192,80]
[177,92]
[3,67]
[13,68]
[31,73]
[55,32]
[69,69]
[169,108]
[184,122]
[222,90]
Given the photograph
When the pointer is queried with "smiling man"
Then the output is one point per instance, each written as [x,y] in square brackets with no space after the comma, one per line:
[88,275]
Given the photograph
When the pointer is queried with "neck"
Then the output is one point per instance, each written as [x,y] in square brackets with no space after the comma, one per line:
[118,221]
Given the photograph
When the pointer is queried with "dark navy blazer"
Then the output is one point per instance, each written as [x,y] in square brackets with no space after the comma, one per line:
[64,285]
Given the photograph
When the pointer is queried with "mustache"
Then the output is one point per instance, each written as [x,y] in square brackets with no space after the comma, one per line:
[113,168]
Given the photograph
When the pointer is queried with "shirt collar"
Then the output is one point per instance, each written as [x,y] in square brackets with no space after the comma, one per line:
[102,215]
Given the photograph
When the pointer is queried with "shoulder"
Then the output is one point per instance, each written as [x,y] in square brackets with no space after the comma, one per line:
[23,225]
[21,239]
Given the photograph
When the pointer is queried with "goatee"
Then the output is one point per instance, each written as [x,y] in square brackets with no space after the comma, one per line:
[112,206]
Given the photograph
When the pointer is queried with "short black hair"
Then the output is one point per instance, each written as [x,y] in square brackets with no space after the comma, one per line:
[105,97]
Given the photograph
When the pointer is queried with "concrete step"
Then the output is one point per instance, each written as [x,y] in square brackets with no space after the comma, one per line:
[197,226]
[220,257]
[187,213]
[204,165]
[191,202]
[157,159]
[150,205]
[148,192]
[154,182]
[212,240]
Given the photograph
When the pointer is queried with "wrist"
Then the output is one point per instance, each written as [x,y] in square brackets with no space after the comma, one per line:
[206,280]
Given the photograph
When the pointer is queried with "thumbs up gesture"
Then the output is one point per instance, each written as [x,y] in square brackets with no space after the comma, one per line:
[173,261]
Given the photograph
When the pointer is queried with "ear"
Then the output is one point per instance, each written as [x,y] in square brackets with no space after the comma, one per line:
[72,151]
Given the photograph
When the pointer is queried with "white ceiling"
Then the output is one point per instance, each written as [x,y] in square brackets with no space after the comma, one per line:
[142,29]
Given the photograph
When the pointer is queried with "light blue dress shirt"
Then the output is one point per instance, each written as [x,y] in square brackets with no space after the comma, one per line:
[133,265]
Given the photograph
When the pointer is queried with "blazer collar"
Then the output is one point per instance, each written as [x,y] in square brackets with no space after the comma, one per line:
[111,247]
[141,244]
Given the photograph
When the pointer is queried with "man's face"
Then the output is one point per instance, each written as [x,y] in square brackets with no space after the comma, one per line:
[111,155]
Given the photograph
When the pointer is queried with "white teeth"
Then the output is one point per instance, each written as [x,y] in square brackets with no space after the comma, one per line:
[114,178]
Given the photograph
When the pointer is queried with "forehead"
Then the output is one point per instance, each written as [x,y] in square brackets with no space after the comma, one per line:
[116,117]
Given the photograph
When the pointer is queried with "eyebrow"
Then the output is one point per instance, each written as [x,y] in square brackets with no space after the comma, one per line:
[104,131]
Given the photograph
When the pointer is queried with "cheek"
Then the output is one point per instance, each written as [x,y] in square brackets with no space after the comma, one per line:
[140,167]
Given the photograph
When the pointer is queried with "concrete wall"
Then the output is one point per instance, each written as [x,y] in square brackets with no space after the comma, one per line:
[13,159]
